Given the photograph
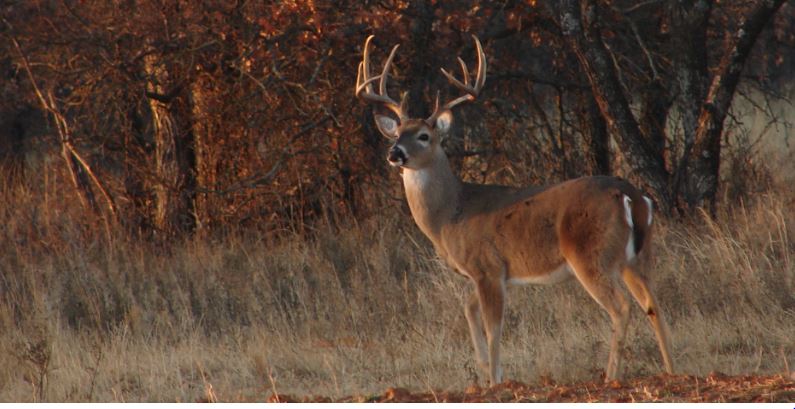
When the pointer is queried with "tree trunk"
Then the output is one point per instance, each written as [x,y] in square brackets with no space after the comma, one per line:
[79,171]
[204,139]
[173,210]
[704,160]
[655,106]
[12,152]
[80,179]
[136,217]
[585,40]
[598,137]
[689,21]
[421,34]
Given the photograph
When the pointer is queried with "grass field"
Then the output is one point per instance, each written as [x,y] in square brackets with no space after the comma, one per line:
[357,309]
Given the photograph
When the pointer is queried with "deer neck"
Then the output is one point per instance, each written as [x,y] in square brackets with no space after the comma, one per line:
[433,194]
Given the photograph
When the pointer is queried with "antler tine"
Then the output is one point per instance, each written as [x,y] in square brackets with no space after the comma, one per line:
[465,70]
[385,72]
[404,103]
[366,60]
[471,91]
[364,82]
[458,84]
[481,77]
[358,78]
[365,85]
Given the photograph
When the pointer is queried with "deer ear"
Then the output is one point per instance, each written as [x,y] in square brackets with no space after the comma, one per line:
[443,122]
[387,126]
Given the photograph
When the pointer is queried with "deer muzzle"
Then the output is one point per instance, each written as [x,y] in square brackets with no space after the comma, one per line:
[397,156]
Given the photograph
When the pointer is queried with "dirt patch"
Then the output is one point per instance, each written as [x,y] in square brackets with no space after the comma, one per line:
[715,387]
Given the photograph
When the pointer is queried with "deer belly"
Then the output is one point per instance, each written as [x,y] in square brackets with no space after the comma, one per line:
[562,273]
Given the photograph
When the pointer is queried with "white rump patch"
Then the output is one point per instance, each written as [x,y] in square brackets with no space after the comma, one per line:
[628,210]
[651,209]
[631,241]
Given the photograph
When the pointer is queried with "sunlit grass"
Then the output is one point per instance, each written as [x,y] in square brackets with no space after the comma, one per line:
[355,309]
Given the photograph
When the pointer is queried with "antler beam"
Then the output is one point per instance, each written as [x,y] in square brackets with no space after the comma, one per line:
[470,91]
[364,82]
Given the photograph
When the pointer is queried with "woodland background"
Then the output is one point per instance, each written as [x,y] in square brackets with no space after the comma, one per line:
[192,195]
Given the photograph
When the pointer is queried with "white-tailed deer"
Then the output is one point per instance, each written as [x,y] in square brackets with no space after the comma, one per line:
[597,229]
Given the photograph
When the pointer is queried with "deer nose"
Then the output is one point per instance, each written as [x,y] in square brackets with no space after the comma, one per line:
[397,156]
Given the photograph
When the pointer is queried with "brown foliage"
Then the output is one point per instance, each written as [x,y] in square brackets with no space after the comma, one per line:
[197,116]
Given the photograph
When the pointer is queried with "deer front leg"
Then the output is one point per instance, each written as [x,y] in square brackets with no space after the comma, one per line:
[476,331]
[491,294]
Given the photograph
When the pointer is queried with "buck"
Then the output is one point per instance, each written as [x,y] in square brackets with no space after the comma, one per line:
[596,229]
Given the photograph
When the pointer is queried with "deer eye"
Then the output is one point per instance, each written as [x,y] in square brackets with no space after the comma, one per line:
[423,137]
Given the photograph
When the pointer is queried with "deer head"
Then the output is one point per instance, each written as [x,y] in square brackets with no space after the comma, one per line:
[417,142]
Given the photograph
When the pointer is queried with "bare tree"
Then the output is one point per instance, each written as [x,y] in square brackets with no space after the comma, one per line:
[705,94]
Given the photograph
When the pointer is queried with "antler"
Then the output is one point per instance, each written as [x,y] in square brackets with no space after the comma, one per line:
[364,82]
[471,91]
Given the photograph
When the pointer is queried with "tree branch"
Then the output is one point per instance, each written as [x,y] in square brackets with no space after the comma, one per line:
[584,38]
[70,153]
[704,159]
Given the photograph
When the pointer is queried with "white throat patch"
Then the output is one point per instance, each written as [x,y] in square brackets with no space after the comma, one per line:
[416,179]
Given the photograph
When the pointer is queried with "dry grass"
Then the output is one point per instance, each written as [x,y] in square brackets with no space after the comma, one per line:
[354,310]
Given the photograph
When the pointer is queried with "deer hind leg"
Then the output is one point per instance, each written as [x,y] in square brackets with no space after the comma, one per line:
[476,331]
[603,288]
[640,290]
[491,294]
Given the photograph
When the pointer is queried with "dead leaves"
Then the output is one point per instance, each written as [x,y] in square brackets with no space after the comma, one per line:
[715,387]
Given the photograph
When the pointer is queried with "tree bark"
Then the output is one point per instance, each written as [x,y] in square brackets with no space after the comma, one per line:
[703,170]
[689,21]
[689,40]
[655,106]
[173,210]
[12,152]
[79,170]
[598,137]
[421,34]
[79,178]
[136,215]
[584,38]
[204,139]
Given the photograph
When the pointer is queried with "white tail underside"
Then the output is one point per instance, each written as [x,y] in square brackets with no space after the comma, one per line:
[631,240]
